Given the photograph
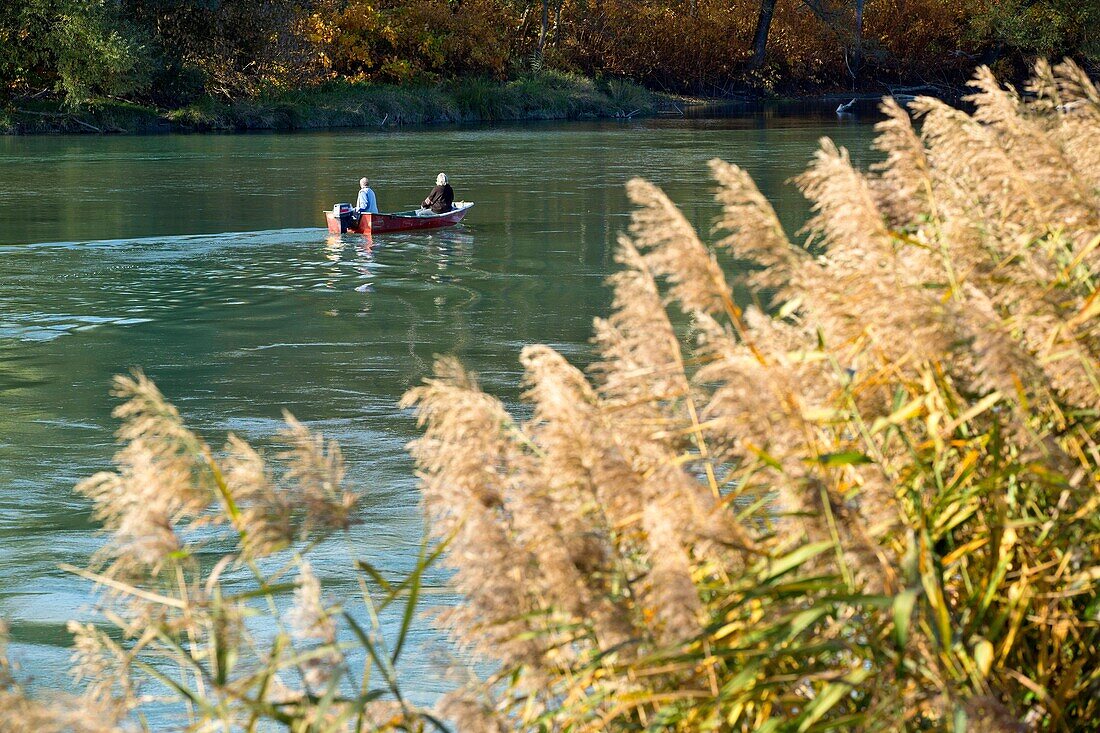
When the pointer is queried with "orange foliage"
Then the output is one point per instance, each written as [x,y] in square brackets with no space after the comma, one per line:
[922,36]
[811,44]
[803,47]
[420,40]
[698,46]
[662,44]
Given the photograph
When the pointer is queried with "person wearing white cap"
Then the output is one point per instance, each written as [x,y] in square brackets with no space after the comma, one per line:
[442,198]
[367,203]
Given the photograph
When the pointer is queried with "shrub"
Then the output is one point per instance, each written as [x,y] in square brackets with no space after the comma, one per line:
[1039,28]
[97,55]
[84,49]
[421,40]
[872,504]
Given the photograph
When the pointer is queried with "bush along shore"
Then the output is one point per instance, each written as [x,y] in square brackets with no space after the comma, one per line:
[544,96]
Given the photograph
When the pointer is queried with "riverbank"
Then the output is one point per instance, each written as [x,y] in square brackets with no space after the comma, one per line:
[547,96]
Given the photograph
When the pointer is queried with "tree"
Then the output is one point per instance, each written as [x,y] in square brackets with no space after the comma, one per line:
[820,8]
[97,52]
[83,49]
[857,41]
[237,46]
[544,27]
[1030,28]
[760,37]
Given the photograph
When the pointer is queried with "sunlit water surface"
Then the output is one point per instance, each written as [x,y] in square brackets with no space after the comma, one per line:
[201,259]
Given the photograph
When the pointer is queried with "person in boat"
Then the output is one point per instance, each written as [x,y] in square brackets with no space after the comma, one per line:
[442,198]
[367,203]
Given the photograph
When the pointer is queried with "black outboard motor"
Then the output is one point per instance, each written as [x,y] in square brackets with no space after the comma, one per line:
[347,215]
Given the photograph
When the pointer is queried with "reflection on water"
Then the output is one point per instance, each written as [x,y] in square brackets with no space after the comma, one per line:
[111,262]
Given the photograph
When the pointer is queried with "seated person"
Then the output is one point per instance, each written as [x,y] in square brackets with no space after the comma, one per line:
[367,203]
[442,198]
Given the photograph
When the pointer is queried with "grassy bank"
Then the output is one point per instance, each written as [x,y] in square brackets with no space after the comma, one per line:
[347,104]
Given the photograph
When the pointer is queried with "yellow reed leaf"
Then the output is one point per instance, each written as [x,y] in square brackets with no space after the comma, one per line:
[897,417]
[963,550]
[976,409]
[983,657]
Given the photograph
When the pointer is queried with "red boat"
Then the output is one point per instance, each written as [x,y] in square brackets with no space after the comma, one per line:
[399,221]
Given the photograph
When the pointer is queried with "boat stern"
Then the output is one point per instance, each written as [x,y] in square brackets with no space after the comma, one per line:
[337,226]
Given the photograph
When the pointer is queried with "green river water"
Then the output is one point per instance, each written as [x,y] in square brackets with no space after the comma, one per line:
[202,260]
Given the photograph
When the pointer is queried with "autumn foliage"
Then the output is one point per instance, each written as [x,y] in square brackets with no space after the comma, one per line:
[420,40]
[170,52]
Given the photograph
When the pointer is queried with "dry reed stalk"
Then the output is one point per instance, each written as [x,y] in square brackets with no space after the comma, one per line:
[874,507]
[199,545]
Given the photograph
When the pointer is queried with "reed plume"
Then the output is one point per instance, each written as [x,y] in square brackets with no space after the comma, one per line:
[872,506]
[199,546]
[755,233]
[21,712]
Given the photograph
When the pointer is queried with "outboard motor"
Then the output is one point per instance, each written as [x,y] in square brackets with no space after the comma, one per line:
[346,215]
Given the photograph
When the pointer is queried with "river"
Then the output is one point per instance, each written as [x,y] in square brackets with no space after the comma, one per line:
[202,260]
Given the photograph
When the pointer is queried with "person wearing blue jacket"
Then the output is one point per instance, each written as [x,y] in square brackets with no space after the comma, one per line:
[367,202]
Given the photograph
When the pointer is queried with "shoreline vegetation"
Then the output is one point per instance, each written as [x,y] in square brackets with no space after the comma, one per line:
[343,104]
[225,65]
[549,95]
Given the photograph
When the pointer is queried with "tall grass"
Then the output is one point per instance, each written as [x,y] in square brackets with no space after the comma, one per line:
[547,95]
[204,548]
[871,502]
